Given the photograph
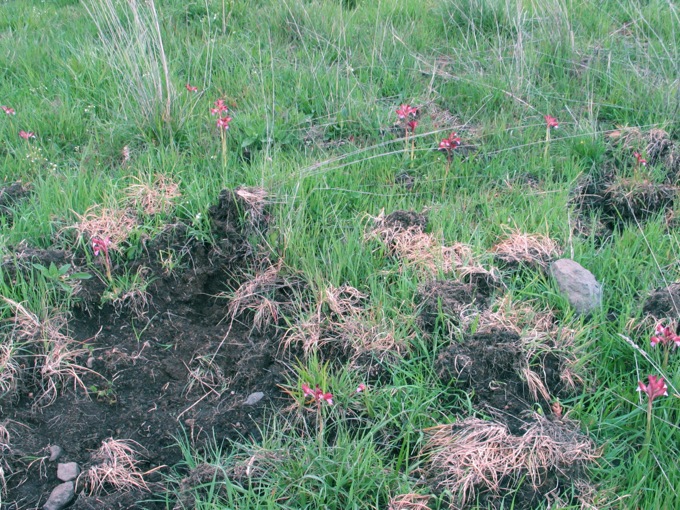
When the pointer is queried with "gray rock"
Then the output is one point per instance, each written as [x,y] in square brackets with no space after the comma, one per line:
[578,284]
[55,452]
[61,496]
[67,471]
[253,398]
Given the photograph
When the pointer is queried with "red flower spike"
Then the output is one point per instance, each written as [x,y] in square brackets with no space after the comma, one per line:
[406,111]
[412,124]
[26,134]
[191,88]
[656,387]
[361,387]
[220,107]
[317,394]
[450,143]
[99,245]
[640,160]
[8,110]
[551,122]
[223,122]
[664,335]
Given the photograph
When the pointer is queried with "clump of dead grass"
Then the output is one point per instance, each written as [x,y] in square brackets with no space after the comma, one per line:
[340,323]
[474,455]
[530,249]
[101,222]
[53,353]
[154,198]
[410,244]
[410,501]
[9,370]
[256,202]
[115,465]
[655,144]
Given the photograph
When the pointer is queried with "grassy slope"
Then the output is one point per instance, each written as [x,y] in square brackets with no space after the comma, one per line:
[287,66]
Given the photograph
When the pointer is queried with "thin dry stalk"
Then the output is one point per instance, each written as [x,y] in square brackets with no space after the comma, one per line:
[256,200]
[475,455]
[115,465]
[205,374]
[257,295]
[530,249]
[9,371]
[154,198]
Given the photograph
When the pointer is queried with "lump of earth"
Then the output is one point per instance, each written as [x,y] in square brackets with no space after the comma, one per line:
[578,284]
[404,220]
[450,299]
[10,196]
[664,303]
[493,366]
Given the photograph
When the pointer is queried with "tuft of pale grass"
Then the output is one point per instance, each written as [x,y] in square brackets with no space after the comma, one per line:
[474,454]
[256,200]
[419,249]
[10,372]
[102,222]
[530,249]
[410,501]
[206,375]
[154,198]
[115,465]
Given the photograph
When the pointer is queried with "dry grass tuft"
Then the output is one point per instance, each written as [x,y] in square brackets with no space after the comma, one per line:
[340,322]
[254,464]
[206,374]
[9,371]
[115,465]
[418,249]
[409,502]
[256,201]
[154,198]
[475,455]
[530,249]
[54,354]
[101,222]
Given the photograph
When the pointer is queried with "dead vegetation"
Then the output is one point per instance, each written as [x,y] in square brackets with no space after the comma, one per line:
[409,502]
[115,466]
[101,222]
[533,250]
[474,456]
[655,144]
[53,354]
[155,197]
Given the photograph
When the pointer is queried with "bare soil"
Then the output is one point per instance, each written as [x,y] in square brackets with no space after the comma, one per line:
[143,352]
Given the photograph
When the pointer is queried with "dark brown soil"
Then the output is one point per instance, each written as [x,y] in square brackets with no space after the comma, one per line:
[489,365]
[448,299]
[10,196]
[142,353]
[664,303]
[403,220]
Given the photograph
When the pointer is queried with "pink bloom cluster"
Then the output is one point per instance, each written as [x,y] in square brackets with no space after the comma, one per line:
[317,394]
[26,134]
[221,110]
[551,122]
[640,160]
[405,111]
[664,335]
[656,387]
[101,246]
[450,143]
[8,110]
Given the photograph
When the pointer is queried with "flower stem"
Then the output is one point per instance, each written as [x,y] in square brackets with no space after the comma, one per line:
[547,143]
[648,431]
[223,136]
[446,174]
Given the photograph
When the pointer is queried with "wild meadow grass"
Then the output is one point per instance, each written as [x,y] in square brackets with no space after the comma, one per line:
[312,87]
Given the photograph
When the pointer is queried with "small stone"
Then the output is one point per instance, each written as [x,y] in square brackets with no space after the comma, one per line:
[55,452]
[61,496]
[67,471]
[578,284]
[253,398]
[90,362]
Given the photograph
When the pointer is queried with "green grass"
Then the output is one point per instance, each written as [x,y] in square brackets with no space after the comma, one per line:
[314,86]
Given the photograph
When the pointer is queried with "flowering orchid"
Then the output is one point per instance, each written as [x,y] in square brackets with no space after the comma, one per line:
[362,387]
[412,124]
[191,88]
[406,111]
[102,246]
[551,122]
[220,108]
[223,122]
[639,159]
[664,335]
[317,394]
[8,110]
[450,143]
[656,387]
[26,134]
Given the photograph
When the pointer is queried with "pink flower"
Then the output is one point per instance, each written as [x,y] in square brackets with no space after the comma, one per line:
[223,122]
[191,88]
[412,124]
[406,111]
[220,108]
[99,245]
[656,387]
[361,387]
[8,110]
[640,160]
[551,122]
[450,143]
[317,394]
[26,134]
[664,335]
